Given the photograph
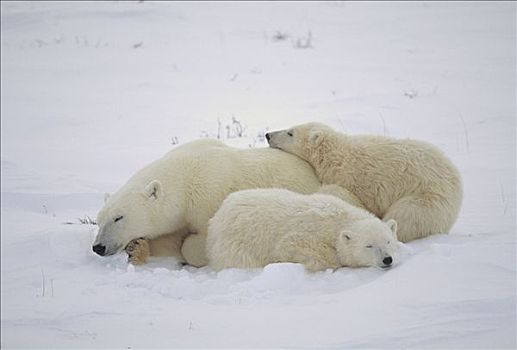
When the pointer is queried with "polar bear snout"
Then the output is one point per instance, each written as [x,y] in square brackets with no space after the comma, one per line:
[387,261]
[275,138]
[106,243]
[99,249]
[269,138]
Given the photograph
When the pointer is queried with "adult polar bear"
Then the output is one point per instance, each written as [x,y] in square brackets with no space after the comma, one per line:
[180,192]
[409,181]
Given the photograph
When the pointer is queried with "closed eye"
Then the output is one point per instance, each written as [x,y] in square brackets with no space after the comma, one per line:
[369,246]
[118,218]
[290,133]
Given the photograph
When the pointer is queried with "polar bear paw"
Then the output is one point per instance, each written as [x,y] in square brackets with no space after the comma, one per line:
[138,251]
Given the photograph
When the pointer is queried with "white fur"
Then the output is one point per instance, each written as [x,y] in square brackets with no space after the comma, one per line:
[253,228]
[182,190]
[410,181]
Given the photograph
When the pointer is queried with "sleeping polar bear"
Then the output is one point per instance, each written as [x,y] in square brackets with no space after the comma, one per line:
[254,228]
[177,194]
[410,181]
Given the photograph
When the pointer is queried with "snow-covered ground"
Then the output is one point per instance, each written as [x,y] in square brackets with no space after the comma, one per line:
[93,91]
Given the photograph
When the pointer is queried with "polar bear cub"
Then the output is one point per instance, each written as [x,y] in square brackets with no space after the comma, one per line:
[254,228]
[409,181]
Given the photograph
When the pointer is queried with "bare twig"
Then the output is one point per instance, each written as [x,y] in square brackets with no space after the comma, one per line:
[466,132]
[304,43]
[87,221]
[280,36]
[411,93]
[238,127]
[384,129]
[42,283]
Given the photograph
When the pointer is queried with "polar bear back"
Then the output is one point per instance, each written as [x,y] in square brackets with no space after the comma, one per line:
[216,172]
[382,170]
[208,170]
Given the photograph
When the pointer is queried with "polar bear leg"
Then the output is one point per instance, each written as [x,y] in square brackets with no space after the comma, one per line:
[305,249]
[168,245]
[194,250]
[342,193]
[139,250]
[419,216]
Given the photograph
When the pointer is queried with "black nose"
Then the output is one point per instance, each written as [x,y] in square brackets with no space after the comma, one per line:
[99,249]
[267,136]
[387,261]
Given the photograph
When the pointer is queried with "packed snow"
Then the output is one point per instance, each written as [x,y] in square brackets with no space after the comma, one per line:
[93,91]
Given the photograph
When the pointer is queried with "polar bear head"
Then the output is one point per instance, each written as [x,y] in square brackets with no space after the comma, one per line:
[368,242]
[300,140]
[129,214]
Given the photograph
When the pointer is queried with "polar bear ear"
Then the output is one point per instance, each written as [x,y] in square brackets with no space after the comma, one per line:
[344,237]
[106,197]
[154,190]
[392,224]
[315,137]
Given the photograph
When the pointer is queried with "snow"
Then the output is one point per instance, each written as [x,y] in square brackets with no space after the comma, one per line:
[91,92]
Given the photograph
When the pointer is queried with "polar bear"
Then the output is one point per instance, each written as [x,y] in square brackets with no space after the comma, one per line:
[406,180]
[180,192]
[254,228]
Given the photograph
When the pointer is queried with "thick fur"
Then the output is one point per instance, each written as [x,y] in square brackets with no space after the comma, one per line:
[181,191]
[410,181]
[253,228]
